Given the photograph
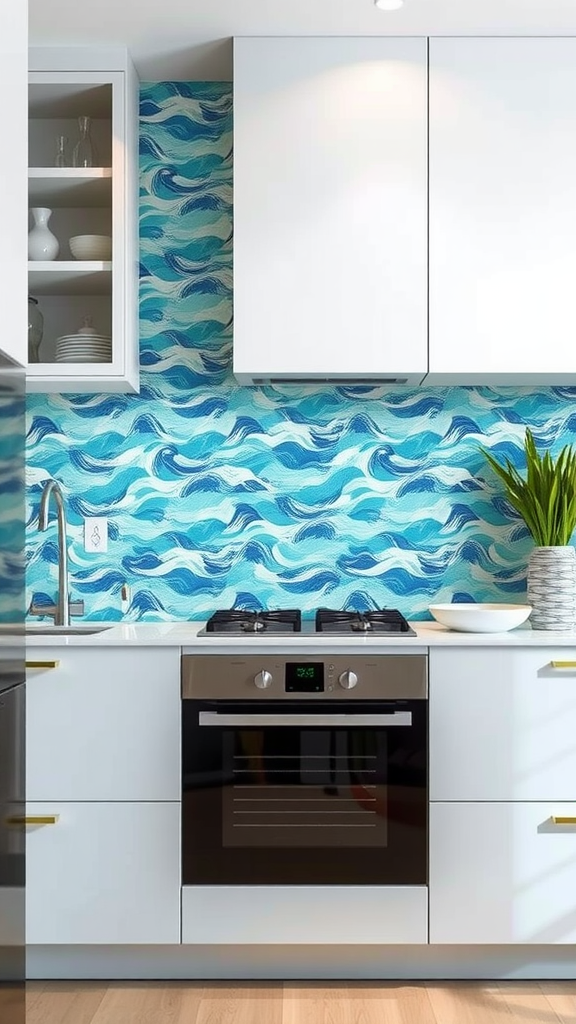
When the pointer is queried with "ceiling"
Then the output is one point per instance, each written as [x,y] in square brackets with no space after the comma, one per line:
[190,39]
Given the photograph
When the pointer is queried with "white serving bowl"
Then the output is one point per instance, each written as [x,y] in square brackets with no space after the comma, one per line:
[91,247]
[480,618]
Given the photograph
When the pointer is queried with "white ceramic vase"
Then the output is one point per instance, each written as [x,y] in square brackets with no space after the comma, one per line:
[552,588]
[42,244]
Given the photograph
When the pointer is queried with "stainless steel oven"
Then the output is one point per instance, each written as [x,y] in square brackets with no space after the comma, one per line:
[304,770]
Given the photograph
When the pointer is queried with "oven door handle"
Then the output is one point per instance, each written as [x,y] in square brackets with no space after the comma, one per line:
[214,718]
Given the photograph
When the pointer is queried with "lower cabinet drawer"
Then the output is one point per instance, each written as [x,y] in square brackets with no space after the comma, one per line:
[103,873]
[502,873]
[342,914]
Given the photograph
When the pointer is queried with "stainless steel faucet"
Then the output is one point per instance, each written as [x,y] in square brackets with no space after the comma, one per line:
[64,608]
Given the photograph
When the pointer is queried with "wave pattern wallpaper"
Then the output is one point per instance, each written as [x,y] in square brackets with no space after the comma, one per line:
[219,495]
[12,535]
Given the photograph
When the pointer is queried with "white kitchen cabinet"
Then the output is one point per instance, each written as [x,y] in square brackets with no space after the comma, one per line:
[330,209]
[502,723]
[13,84]
[502,873]
[502,210]
[64,84]
[103,873]
[104,724]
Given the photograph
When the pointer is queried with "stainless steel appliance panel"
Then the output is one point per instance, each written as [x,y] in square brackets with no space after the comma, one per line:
[379,677]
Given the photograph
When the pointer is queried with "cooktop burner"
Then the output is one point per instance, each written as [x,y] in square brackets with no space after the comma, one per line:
[238,620]
[389,620]
[241,622]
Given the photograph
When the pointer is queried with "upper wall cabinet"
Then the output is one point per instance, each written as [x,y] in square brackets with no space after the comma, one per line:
[502,210]
[330,209]
[13,67]
[83,181]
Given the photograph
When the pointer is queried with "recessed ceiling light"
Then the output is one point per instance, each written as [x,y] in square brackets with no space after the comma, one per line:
[389,5]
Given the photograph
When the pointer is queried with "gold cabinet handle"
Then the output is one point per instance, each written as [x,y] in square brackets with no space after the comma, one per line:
[33,819]
[563,820]
[563,664]
[42,664]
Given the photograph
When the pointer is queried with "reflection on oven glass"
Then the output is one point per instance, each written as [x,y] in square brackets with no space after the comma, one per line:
[305,788]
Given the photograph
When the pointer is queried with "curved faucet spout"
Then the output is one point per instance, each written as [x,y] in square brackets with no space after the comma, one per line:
[51,487]
[62,609]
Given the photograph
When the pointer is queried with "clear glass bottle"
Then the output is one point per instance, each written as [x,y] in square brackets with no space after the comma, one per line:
[87,327]
[84,154]
[61,158]
[35,329]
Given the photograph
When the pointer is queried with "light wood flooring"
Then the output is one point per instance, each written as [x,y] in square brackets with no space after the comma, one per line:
[363,1002]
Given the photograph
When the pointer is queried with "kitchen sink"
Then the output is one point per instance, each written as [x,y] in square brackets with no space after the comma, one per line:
[64,630]
[47,630]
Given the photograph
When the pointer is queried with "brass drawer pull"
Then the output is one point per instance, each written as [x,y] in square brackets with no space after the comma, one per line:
[563,664]
[563,820]
[33,819]
[42,664]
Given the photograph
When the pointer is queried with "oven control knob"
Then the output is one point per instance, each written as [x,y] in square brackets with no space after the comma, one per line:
[348,680]
[263,680]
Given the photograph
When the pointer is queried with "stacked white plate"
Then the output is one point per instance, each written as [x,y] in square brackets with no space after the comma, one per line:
[84,348]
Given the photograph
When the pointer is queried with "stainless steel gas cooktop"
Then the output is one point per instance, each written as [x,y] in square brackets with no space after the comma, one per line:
[283,622]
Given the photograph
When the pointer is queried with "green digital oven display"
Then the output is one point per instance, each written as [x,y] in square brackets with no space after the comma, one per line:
[304,676]
[306,671]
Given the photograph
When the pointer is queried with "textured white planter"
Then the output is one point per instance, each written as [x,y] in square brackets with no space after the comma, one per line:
[552,588]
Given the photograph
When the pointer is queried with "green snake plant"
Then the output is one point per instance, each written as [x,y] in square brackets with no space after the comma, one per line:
[546,497]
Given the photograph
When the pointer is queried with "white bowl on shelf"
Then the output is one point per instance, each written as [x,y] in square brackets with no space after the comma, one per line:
[91,247]
[480,618]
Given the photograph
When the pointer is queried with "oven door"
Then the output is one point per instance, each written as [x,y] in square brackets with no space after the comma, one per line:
[304,794]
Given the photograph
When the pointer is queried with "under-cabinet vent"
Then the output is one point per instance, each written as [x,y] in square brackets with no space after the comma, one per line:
[372,382]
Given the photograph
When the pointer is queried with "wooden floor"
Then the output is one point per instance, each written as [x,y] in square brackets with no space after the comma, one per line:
[301,1003]
[11,1004]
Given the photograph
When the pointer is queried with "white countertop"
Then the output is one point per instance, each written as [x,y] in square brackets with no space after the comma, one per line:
[184,634]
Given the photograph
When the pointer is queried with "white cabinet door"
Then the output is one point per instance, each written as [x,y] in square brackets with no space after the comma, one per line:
[502,210]
[103,873]
[502,724]
[330,208]
[104,724]
[13,210]
[502,873]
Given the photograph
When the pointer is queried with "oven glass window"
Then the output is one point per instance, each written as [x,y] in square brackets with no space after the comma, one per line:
[305,787]
[304,804]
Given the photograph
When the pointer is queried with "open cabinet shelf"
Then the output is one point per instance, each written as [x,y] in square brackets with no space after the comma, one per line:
[99,200]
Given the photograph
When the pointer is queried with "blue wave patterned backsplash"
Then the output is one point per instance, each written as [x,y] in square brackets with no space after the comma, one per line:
[220,495]
[12,496]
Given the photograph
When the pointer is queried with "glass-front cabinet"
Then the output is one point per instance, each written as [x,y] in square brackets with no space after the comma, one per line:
[83,205]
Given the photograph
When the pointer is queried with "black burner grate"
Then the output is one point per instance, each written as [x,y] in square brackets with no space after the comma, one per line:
[240,620]
[388,620]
